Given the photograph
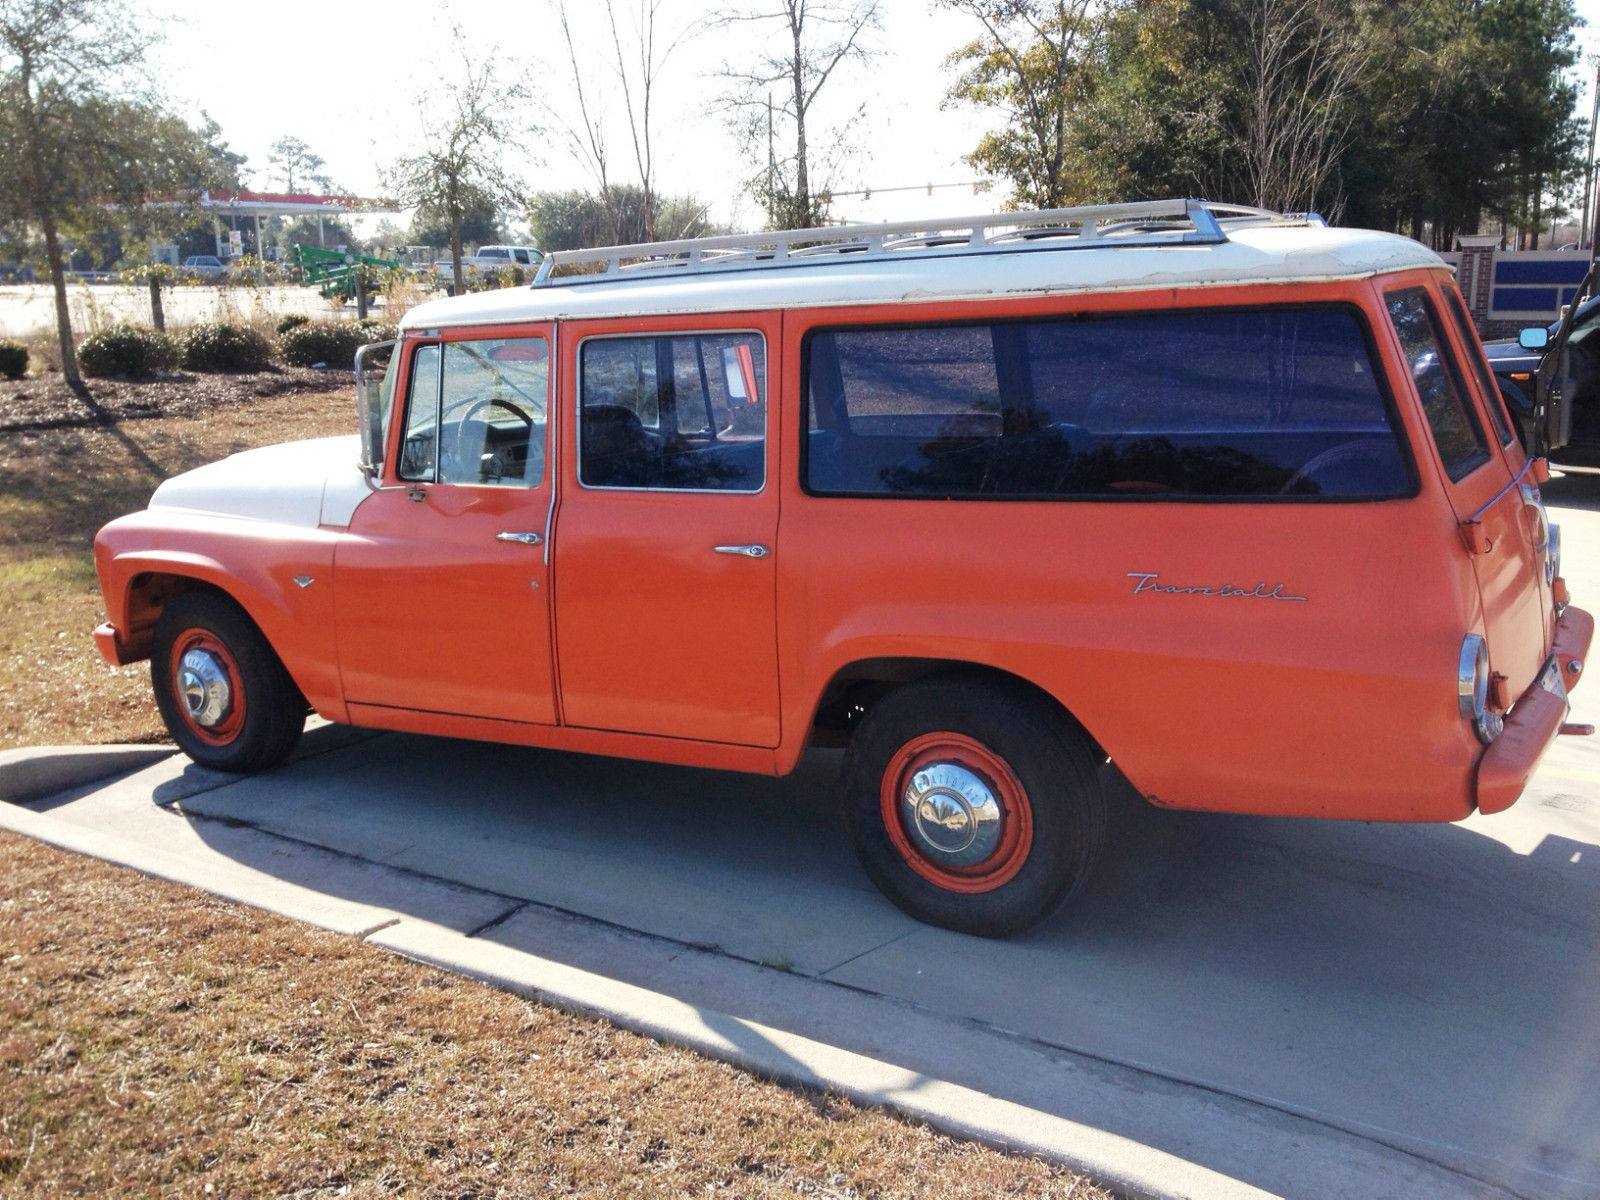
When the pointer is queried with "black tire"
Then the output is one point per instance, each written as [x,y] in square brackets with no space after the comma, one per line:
[1037,764]
[264,714]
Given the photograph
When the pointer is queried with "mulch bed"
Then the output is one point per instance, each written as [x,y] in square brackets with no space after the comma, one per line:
[46,402]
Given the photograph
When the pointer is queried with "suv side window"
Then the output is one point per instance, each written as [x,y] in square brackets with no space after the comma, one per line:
[476,413]
[683,412]
[1212,403]
[1491,390]
[1456,431]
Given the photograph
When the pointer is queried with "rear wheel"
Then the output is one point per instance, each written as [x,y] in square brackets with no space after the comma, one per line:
[974,806]
[225,697]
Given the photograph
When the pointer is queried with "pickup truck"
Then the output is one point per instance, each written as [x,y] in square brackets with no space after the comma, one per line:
[491,258]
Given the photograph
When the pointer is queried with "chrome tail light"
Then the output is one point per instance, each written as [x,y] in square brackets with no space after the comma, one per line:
[1472,689]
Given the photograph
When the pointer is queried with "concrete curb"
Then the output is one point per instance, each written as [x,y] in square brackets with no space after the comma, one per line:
[34,772]
[1130,1167]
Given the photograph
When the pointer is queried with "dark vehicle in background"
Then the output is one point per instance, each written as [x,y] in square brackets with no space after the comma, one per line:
[1515,367]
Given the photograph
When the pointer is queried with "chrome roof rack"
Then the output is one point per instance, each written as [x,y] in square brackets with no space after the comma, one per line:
[1142,223]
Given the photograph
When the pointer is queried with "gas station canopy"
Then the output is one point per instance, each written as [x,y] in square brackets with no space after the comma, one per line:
[289,204]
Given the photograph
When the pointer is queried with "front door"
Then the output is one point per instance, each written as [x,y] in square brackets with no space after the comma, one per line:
[666,619]
[442,582]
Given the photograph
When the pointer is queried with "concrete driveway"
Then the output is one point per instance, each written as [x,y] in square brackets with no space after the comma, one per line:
[1308,1008]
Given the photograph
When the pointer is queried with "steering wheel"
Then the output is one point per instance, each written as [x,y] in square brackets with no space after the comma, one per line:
[1366,453]
[466,445]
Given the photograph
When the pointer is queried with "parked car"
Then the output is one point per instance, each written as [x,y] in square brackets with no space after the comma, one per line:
[1218,499]
[206,266]
[1516,366]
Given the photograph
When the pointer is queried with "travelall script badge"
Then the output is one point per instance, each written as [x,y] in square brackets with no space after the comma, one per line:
[1145,581]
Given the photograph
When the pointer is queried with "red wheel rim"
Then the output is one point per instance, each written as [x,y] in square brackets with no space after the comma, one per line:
[935,753]
[226,728]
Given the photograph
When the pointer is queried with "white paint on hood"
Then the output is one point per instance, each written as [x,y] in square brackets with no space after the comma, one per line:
[303,484]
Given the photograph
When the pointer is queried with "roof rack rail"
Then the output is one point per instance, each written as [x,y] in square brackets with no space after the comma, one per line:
[1141,223]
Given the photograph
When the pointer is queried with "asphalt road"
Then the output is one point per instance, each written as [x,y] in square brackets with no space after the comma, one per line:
[1307,1007]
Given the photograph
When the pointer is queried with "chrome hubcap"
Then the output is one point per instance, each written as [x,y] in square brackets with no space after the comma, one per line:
[203,686]
[951,815]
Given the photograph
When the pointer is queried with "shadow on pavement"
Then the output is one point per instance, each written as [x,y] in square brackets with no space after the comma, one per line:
[1425,986]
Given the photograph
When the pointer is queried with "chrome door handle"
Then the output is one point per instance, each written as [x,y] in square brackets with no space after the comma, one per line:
[746,551]
[527,539]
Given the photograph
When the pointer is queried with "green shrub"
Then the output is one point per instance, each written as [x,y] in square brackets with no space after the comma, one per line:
[331,343]
[219,346]
[13,359]
[291,321]
[130,350]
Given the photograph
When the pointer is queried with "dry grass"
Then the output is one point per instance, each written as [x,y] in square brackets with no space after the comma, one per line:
[57,486]
[155,1040]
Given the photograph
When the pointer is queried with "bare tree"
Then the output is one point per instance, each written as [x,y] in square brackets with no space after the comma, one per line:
[470,129]
[1028,64]
[810,41]
[1303,73]
[638,57]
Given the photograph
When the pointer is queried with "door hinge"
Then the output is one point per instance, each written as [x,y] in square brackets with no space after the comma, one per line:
[1476,538]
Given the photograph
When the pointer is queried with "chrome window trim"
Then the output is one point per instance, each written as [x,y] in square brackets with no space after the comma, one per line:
[766,415]
[438,339]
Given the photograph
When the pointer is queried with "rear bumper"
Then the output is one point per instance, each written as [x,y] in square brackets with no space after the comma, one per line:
[1535,720]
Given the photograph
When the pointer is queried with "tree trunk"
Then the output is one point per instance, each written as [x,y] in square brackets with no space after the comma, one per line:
[459,286]
[158,316]
[58,279]
[802,173]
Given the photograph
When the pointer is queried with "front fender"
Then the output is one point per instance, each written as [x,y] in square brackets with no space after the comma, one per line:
[281,576]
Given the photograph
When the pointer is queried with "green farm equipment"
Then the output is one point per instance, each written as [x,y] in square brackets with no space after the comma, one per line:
[336,275]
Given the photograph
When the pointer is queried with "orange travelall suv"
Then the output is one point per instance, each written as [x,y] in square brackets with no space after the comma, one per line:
[1225,497]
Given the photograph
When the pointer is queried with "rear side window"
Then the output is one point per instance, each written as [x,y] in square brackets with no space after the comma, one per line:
[1456,431]
[1241,404]
[1492,397]
[685,412]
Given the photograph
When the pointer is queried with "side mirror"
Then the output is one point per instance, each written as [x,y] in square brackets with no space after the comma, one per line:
[374,393]
[1535,338]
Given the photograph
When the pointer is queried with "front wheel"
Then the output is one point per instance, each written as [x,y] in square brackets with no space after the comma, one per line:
[225,697]
[974,806]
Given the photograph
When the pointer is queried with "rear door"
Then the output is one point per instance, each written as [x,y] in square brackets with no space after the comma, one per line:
[1500,516]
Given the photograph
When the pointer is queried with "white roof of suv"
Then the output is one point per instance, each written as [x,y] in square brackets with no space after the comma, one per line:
[1169,244]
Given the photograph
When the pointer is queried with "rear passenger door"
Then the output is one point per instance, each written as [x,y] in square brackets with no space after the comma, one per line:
[1502,522]
[666,532]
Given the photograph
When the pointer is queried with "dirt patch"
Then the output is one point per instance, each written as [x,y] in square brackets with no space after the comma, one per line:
[154,1039]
